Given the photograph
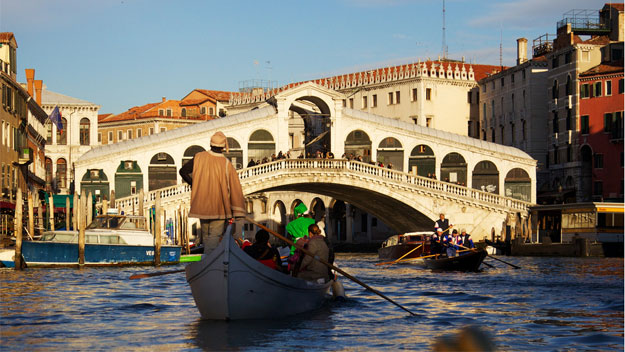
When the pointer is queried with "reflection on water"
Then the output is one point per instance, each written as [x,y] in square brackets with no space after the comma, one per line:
[549,304]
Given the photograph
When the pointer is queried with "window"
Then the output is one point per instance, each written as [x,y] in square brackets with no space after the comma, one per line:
[503,135]
[502,81]
[567,58]
[120,135]
[554,90]
[585,91]
[110,140]
[469,97]
[374,103]
[129,134]
[163,129]
[151,130]
[598,159]
[211,111]
[523,74]
[596,91]
[61,173]
[168,112]
[48,132]
[344,103]
[414,94]
[351,103]
[607,122]
[512,78]
[203,110]
[415,119]
[390,98]
[524,129]
[161,112]
[569,153]
[568,88]
[61,135]
[512,133]
[99,137]
[428,93]
[139,133]
[569,120]
[184,112]
[397,99]
[585,128]
[608,88]
[555,155]
[428,122]
[554,62]
[620,86]
[364,102]
[84,131]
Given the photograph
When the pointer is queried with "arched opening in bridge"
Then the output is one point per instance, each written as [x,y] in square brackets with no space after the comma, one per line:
[317,209]
[161,172]
[586,176]
[518,185]
[294,203]
[96,182]
[279,217]
[340,220]
[234,153]
[390,151]
[358,144]
[128,179]
[422,157]
[454,169]
[260,146]
[309,126]
[486,177]
[190,152]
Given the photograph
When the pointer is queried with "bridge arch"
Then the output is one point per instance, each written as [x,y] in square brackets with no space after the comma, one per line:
[234,153]
[161,171]
[95,181]
[190,152]
[261,144]
[279,216]
[358,143]
[128,178]
[422,156]
[390,150]
[485,177]
[454,169]
[317,209]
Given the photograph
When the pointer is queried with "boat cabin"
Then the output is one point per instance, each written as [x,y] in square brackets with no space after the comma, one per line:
[406,238]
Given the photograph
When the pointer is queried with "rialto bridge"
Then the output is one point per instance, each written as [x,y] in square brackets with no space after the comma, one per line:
[479,185]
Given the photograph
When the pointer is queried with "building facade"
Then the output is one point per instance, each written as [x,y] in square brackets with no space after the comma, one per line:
[77,135]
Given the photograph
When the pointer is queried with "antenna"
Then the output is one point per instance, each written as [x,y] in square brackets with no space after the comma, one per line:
[444,48]
[501,48]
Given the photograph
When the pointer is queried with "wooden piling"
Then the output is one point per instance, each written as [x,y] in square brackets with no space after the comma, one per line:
[157,229]
[51,212]
[89,202]
[40,223]
[67,213]
[31,215]
[81,228]
[75,212]
[18,230]
[141,196]
[105,206]
[112,202]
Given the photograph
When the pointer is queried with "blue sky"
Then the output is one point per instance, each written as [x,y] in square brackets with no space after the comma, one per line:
[124,53]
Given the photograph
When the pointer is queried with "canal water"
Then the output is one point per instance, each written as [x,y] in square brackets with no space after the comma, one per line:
[550,304]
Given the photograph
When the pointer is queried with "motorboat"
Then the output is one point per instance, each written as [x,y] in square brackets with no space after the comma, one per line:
[397,246]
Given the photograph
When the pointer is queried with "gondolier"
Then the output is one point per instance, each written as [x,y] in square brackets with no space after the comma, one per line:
[216,194]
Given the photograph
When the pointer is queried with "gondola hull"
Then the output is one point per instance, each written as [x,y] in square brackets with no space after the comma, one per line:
[470,261]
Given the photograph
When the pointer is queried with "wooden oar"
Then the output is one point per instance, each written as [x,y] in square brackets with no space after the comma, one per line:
[307,252]
[141,276]
[425,256]
[402,257]
[488,255]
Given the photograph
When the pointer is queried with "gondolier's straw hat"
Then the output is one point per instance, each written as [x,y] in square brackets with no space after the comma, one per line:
[219,140]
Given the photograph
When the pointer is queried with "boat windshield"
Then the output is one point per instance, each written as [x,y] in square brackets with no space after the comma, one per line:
[105,222]
[58,237]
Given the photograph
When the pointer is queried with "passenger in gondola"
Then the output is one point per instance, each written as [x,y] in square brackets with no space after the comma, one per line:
[452,242]
[466,240]
[262,251]
[312,269]
[435,242]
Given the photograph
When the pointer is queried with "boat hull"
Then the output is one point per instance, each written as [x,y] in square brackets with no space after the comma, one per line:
[467,262]
[398,251]
[228,284]
[49,254]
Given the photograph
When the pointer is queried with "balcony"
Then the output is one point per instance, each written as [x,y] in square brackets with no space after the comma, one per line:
[584,22]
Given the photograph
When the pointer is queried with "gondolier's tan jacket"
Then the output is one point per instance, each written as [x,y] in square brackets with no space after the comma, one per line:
[216,191]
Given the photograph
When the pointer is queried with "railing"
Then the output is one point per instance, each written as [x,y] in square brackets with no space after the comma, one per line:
[328,166]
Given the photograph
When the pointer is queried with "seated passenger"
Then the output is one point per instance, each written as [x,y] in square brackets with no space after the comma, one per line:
[310,268]
[452,244]
[435,242]
[468,242]
[262,251]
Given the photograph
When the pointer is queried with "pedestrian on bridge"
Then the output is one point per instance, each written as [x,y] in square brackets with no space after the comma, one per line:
[216,194]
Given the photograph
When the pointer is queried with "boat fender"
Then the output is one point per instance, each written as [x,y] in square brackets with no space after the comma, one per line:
[338,291]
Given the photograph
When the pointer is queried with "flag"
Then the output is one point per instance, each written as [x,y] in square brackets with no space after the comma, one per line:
[55,117]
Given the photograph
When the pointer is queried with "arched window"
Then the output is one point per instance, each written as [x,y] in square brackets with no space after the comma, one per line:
[486,177]
[61,135]
[358,144]
[422,157]
[61,173]
[555,91]
[84,131]
[49,132]
[184,112]
[569,85]
[48,172]
[190,152]
[260,146]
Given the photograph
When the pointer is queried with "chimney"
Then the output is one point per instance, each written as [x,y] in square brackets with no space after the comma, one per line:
[164,99]
[521,50]
[38,87]
[30,76]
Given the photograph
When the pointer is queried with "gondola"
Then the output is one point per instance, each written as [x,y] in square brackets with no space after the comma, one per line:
[228,284]
[466,261]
